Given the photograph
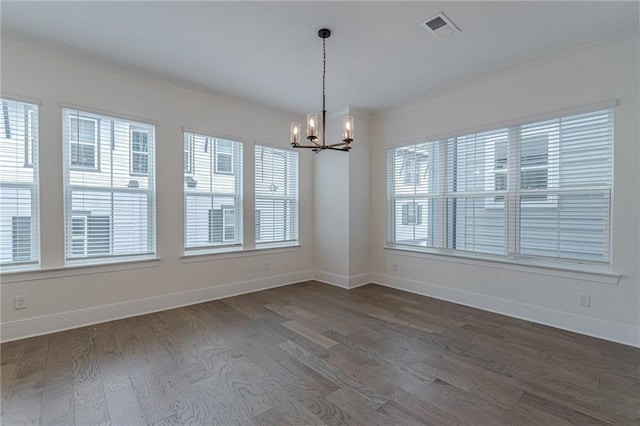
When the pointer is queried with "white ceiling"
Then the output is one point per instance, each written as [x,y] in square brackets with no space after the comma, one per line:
[378,55]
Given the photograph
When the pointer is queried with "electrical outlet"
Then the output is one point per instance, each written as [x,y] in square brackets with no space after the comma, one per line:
[394,267]
[584,299]
[20,302]
[267,266]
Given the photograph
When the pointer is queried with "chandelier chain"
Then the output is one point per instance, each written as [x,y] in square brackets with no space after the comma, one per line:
[324,70]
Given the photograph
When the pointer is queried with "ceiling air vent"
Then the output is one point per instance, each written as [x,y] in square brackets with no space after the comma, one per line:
[440,26]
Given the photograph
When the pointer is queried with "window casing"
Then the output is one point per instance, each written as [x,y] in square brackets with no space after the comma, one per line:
[213,200]
[276,196]
[109,207]
[19,187]
[538,190]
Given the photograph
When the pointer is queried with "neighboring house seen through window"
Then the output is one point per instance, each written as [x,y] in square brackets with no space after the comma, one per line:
[213,193]
[19,186]
[109,210]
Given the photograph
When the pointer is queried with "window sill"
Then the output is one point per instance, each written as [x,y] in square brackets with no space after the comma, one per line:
[230,254]
[586,273]
[78,269]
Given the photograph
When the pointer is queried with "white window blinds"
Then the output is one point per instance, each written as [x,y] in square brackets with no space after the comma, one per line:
[109,182]
[537,190]
[212,193]
[276,200]
[19,200]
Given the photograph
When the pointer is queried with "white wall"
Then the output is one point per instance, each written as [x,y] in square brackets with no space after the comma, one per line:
[598,73]
[331,209]
[359,199]
[341,206]
[59,298]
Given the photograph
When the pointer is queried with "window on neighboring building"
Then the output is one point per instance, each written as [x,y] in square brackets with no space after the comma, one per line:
[139,151]
[553,203]
[19,186]
[83,141]
[21,233]
[109,210]
[213,199]
[222,225]
[276,186]
[91,235]
[224,156]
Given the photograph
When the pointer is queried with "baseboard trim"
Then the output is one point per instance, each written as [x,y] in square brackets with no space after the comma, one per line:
[30,327]
[342,281]
[608,330]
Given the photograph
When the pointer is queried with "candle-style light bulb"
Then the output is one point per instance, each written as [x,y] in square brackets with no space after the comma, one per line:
[312,126]
[295,133]
[348,129]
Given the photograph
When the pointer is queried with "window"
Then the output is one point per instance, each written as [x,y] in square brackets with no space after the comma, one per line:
[110,210]
[413,186]
[139,151]
[276,185]
[213,200]
[411,214]
[83,142]
[224,156]
[411,171]
[552,204]
[19,198]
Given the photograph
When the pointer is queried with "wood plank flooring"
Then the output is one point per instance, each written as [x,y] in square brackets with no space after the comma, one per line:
[311,354]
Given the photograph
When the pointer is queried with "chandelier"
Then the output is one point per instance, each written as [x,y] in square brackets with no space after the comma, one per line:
[316,137]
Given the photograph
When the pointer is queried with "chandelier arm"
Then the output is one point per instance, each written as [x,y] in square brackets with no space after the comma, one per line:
[337,144]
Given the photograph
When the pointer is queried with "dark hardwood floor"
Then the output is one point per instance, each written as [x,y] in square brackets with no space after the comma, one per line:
[315,354]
